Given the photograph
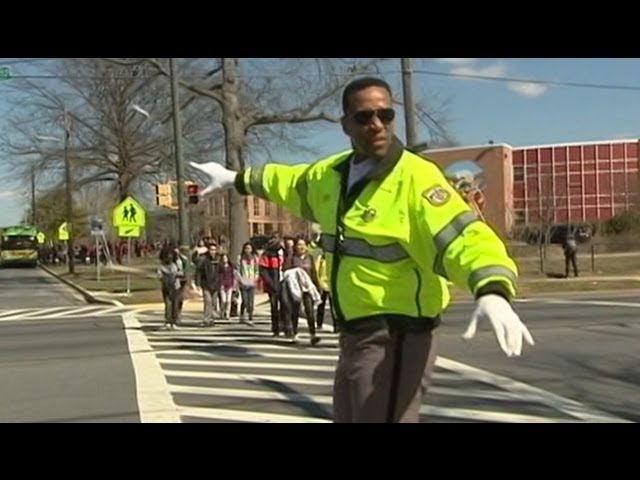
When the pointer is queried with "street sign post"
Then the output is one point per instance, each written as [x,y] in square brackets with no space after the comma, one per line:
[129,216]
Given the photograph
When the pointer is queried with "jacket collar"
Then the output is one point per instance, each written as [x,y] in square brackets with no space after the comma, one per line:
[383,167]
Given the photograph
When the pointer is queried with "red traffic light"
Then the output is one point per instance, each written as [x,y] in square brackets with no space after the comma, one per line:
[192,193]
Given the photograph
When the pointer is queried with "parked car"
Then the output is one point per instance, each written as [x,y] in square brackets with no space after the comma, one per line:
[558,234]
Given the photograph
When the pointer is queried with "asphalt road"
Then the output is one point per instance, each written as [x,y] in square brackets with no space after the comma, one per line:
[31,287]
[60,359]
[64,361]
[586,350]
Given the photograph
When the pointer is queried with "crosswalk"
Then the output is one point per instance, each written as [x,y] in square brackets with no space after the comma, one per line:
[82,311]
[235,373]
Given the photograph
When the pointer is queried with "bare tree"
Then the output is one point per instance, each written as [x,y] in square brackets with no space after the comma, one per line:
[50,212]
[118,120]
[261,100]
[547,208]
[264,102]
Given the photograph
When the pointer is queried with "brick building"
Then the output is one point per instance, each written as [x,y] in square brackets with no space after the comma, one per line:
[553,184]
[264,217]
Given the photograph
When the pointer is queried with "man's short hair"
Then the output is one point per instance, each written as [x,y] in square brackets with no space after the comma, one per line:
[361,84]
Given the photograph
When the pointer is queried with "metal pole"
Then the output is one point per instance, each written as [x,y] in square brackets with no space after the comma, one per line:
[33,195]
[69,194]
[128,264]
[541,258]
[97,258]
[409,105]
[183,232]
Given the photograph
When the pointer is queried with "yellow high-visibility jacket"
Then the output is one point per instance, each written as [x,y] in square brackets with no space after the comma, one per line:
[394,239]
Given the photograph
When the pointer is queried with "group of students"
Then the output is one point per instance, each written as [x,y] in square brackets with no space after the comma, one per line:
[294,277]
[213,275]
[288,272]
[219,279]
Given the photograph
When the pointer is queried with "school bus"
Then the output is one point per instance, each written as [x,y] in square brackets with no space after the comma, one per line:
[19,246]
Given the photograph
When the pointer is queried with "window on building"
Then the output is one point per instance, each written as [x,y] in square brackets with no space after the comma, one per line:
[518,217]
[267,209]
[256,207]
[518,173]
[217,204]
[225,206]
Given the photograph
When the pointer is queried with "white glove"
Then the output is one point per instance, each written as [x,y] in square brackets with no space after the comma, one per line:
[506,324]
[219,177]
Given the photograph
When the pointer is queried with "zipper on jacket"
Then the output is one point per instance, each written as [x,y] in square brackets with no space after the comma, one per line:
[345,202]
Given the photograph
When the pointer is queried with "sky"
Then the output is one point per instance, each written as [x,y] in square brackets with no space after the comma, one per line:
[516,113]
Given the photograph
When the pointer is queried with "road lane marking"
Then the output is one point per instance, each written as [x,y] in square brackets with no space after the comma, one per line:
[152,393]
[562,404]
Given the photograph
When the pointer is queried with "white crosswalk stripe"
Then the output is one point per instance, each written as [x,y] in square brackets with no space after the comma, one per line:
[82,311]
[234,373]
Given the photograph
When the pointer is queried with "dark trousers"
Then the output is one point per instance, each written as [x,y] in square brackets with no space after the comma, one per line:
[248,295]
[291,312]
[274,303]
[324,298]
[172,305]
[381,376]
[570,258]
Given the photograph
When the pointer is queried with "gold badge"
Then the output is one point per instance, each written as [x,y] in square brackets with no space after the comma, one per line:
[436,196]
[369,214]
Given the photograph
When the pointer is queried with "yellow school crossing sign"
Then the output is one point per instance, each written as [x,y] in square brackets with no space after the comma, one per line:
[129,213]
[63,232]
[41,237]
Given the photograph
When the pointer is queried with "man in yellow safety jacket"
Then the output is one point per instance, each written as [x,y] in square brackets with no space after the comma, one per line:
[395,231]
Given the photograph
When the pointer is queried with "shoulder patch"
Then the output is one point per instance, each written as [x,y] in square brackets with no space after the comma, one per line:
[436,196]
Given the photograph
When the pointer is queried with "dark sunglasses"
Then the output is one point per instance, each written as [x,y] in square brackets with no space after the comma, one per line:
[364,117]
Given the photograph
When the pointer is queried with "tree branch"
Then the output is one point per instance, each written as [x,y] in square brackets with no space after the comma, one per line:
[291,118]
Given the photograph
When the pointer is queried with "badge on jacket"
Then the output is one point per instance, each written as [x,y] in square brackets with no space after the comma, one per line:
[369,214]
[436,196]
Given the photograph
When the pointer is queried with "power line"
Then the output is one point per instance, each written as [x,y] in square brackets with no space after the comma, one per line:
[348,74]
[529,80]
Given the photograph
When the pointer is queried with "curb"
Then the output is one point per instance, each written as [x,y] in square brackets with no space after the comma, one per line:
[88,296]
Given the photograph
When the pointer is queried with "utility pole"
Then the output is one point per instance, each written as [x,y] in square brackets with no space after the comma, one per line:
[234,142]
[409,105]
[69,194]
[183,229]
[33,195]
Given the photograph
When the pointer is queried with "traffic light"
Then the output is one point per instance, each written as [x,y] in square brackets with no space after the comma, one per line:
[164,195]
[192,192]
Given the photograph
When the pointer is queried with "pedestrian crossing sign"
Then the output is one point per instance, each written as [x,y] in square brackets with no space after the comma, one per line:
[129,213]
[63,232]
[41,238]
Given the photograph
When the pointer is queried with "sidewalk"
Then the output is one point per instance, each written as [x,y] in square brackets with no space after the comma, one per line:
[261,308]
[585,278]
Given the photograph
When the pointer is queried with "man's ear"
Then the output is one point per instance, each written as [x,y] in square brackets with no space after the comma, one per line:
[345,126]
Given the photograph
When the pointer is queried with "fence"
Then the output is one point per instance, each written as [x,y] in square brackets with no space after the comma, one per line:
[598,257]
